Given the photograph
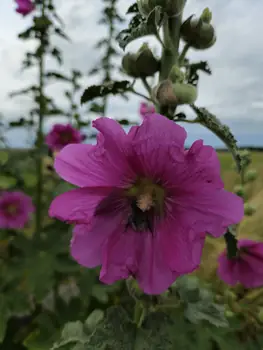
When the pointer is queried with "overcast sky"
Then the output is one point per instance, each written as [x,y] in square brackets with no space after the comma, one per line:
[234,92]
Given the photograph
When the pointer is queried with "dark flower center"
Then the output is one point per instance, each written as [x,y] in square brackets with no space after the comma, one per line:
[65,137]
[11,209]
[146,205]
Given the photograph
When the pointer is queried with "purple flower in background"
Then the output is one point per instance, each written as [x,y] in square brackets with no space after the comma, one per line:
[144,203]
[15,209]
[246,268]
[146,108]
[62,135]
[24,7]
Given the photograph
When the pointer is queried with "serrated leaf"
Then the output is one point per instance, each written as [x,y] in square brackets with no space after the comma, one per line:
[133,9]
[73,332]
[113,87]
[203,311]
[94,318]
[222,131]
[139,27]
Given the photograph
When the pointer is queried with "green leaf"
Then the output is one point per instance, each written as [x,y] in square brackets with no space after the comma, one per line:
[133,9]
[94,318]
[188,288]
[4,315]
[56,76]
[100,293]
[62,34]
[140,27]
[193,68]
[113,87]
[7,182]
[204,311]
[222,131]
[73,332]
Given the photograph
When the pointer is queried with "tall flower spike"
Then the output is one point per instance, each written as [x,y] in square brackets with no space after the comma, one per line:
[246,268]
[144,203]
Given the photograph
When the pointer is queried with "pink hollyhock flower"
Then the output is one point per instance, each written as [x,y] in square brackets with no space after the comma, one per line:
[246,268]
[146,108]
[143,204]
[15,209]
[62,135]
[24,7]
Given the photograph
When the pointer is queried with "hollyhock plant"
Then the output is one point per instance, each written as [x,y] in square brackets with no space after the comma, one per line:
[15,209]
[146,108]
[24,7]
[246,268]
[62,135]
[144,203]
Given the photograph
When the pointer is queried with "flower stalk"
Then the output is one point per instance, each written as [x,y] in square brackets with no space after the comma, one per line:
[40,136]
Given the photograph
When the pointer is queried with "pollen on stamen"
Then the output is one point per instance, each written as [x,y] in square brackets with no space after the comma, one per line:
[145,202]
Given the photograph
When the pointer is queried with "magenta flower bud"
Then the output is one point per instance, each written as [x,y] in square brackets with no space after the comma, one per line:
[62,135]
[24,7]
[246,268]
[146,108]
[15,209]
[144,203]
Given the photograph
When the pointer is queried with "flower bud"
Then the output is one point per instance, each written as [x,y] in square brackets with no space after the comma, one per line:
[198,32]
[176,75]
[251,175]
[164,95]
[141,64]
[171,7]
[169,94]
[239,190]
[185,93]
[249,209]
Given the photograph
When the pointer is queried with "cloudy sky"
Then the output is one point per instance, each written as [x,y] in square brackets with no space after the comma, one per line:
[234,92]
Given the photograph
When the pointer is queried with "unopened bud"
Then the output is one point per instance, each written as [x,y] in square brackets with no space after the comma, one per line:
[176,75]
[141,64]
[185,93]
[206,16]
[198,33]
[251,175]
[249,209]
[164,95]
[239,190]
[170,7]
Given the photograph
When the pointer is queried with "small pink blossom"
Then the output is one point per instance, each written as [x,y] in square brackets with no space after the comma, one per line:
[62,135]
[24,7]
[146,108]
[15,209]
[246,268]
[143,204]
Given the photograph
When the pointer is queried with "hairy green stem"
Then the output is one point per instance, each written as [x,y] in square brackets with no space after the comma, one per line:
[170,53]
[183,54]
[171,31]
[39,167]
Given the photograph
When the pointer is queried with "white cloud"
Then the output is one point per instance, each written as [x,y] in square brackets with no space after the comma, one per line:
[234,92]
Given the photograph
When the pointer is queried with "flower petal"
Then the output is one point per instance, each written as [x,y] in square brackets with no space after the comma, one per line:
[78,205]
[208,209]
[228,270]
[154,275]
[182,247]
[119,257]
[87,165]
[89,241]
